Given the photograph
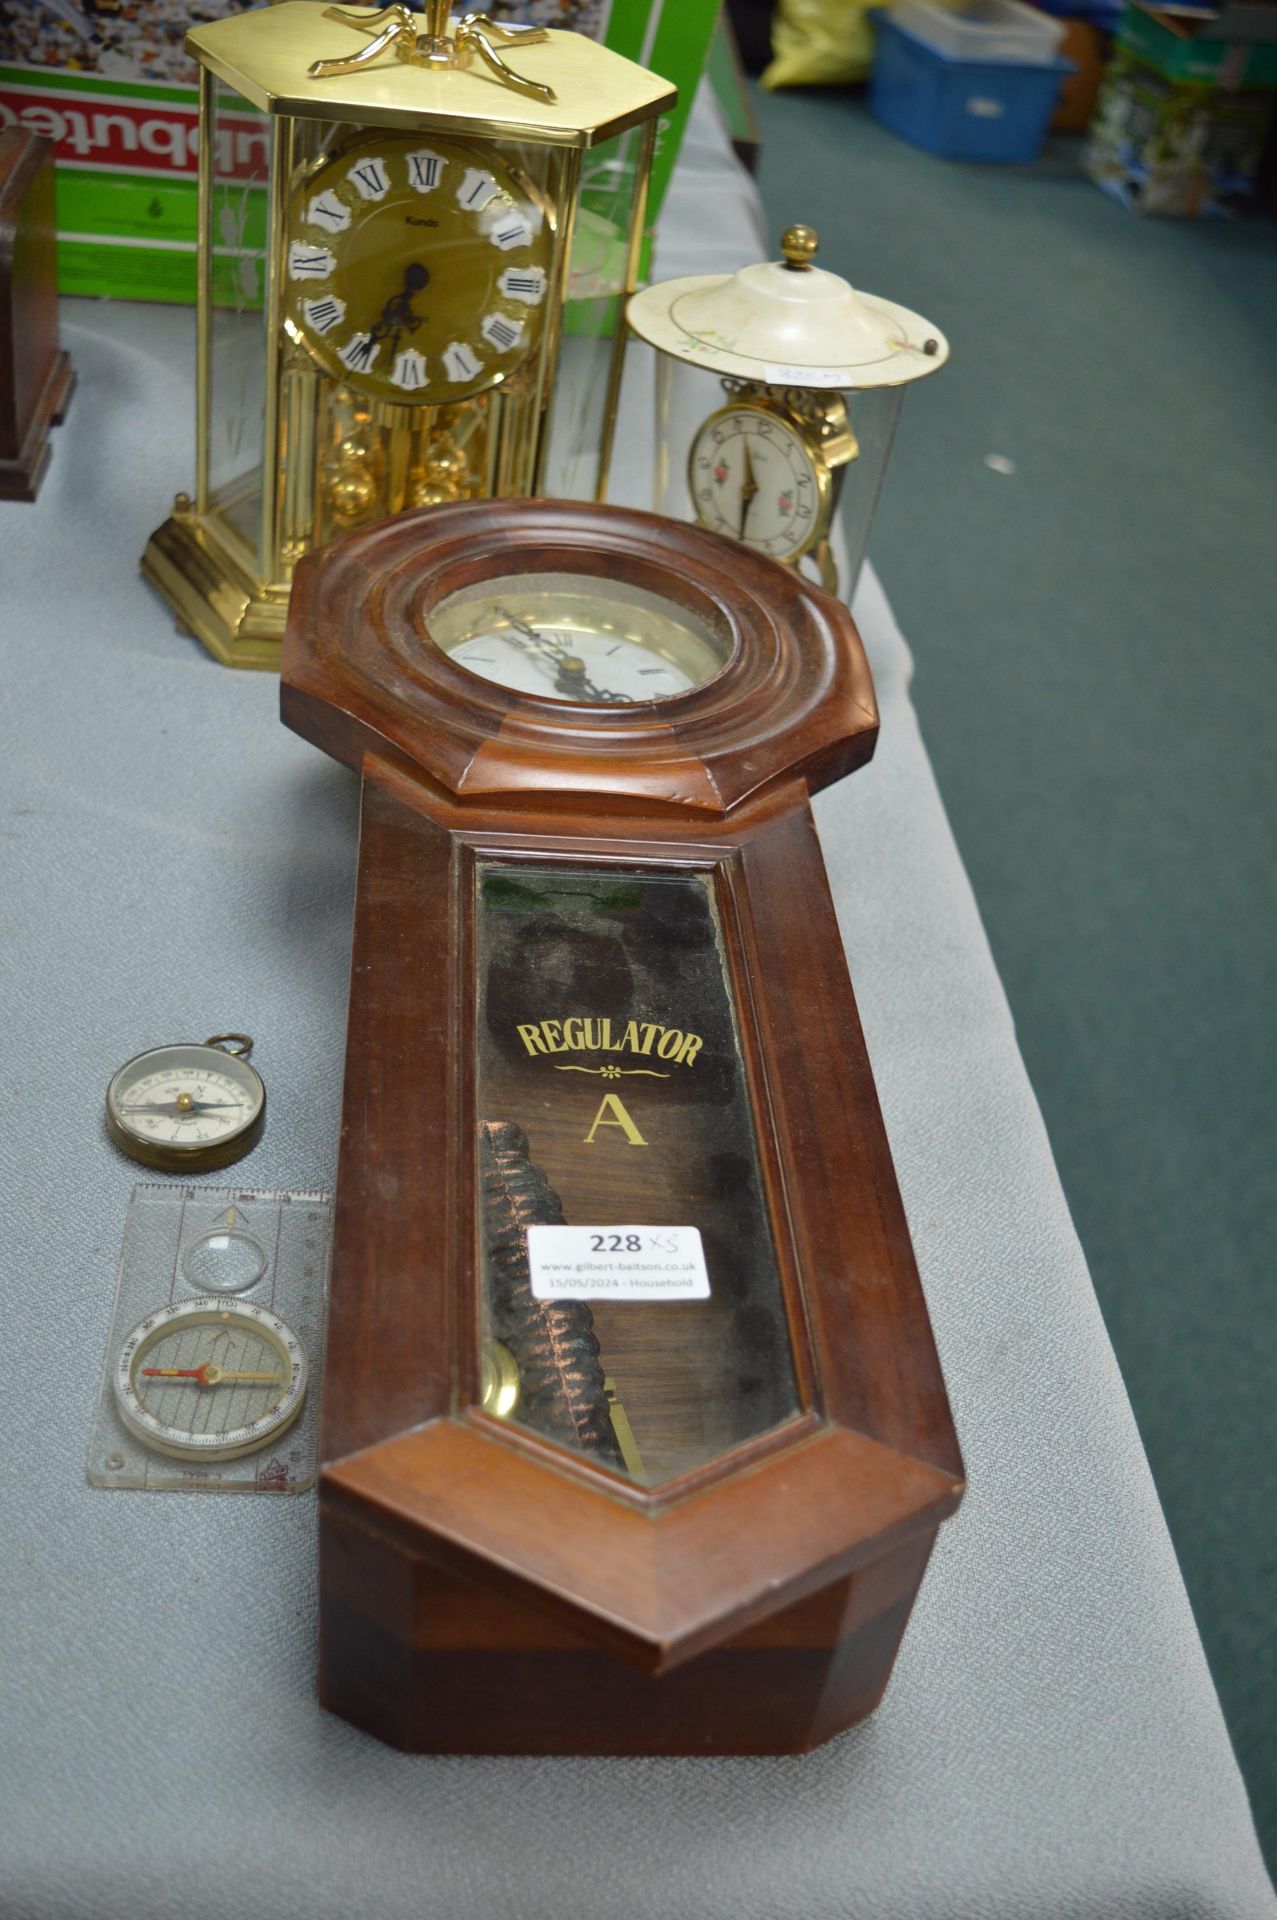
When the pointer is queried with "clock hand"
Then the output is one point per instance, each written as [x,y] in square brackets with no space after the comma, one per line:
[606,693]
[398,311]
[749,487]
[573,680]
[534,643]
[545,641]
[571,676]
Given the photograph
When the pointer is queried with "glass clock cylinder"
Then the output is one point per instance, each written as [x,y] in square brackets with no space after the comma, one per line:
[685,399]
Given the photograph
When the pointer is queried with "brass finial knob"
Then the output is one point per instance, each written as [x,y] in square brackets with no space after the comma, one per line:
[799,244]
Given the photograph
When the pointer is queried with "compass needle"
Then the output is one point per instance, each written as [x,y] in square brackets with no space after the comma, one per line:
[204,1380]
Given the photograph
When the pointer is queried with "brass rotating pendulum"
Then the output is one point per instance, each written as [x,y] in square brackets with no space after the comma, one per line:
[389,458]
[352,490]
[443,469]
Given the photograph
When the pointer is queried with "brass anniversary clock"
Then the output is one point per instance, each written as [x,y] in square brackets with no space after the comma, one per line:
[409,235]
[635,1438]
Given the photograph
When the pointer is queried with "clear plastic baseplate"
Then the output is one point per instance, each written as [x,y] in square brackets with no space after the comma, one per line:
[238,1247]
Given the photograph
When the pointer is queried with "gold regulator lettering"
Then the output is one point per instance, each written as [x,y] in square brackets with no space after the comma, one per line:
[582,1033]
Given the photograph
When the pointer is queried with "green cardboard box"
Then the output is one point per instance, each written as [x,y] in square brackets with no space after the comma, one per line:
[1182,48]
[109,82]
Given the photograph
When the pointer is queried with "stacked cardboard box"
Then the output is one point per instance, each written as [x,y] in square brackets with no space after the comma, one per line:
[1185,108]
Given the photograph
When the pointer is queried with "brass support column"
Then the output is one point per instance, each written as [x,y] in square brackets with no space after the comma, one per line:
[281,175]
[634,255]
[566,192]
[204,287]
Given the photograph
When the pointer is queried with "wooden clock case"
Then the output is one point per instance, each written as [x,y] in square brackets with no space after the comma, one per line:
[483,1591]
[35,374]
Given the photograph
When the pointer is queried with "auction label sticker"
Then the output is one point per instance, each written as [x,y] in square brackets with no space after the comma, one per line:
[617,1263]
[809,376]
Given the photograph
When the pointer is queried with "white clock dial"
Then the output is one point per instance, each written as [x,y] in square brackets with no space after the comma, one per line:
[548,660]
[327,211]
[369,178]
[307,262]
[753,476]
[324,314]
[566,637]
[523,283]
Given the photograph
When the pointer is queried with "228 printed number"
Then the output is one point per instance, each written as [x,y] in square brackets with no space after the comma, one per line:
[615,1243]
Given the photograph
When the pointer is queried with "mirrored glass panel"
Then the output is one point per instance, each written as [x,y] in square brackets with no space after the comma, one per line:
[632,1307]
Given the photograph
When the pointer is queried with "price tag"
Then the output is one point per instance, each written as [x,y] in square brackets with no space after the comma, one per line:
[617,1263]
[809,376]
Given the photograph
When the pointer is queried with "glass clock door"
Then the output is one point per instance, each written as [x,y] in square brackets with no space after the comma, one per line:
[233,370]
[632,1305]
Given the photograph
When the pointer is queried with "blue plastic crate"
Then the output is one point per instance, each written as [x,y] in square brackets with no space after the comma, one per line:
[963,109]
[1104,14]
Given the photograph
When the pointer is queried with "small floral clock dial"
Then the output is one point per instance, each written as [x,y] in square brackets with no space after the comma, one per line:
[753,476]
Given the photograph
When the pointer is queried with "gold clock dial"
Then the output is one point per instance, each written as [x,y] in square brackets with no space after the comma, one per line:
[754,475]
[417,268]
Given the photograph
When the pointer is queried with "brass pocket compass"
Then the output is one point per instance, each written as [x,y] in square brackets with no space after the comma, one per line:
[187,1108]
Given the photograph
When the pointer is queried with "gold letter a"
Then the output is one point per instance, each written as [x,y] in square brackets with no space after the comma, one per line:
[620,1119]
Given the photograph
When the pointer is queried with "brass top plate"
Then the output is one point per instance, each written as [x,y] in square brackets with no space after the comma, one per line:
[266,55]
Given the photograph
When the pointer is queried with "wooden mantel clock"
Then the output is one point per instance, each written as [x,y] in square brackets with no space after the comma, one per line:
[36,379]
[635,1439]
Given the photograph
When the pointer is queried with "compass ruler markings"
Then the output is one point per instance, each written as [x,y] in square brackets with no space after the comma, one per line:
[279,1234]
[177,1252]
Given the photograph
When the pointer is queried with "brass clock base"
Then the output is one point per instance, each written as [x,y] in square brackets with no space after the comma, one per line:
[240,624]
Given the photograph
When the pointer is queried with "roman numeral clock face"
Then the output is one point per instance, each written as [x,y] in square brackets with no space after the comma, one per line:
[417,268]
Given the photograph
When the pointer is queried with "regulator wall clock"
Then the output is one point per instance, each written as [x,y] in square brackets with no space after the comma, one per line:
[400,257]
[635,1437]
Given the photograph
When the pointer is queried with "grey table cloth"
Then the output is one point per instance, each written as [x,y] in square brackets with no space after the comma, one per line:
[176,864]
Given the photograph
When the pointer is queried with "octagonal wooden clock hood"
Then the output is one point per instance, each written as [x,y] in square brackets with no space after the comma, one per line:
[635,1438]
